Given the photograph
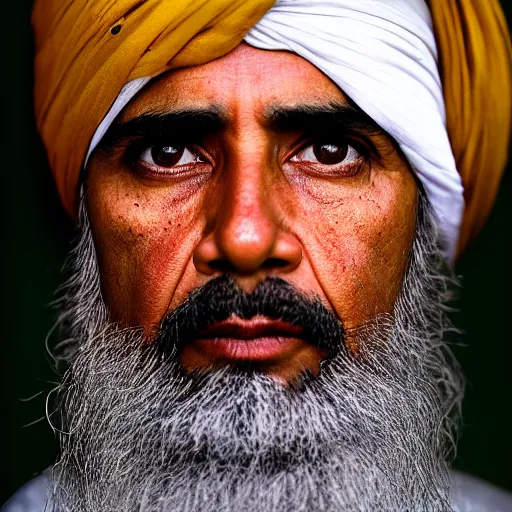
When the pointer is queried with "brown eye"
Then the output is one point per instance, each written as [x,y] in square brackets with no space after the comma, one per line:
[167,156]
[327,154]
[330,154]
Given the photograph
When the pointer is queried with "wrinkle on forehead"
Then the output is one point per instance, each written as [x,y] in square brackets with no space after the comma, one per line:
[246,81]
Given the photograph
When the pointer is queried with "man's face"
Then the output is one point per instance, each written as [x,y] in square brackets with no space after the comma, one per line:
[262,231]
[253,165]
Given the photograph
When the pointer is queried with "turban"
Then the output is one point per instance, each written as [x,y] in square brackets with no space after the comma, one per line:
[435,75]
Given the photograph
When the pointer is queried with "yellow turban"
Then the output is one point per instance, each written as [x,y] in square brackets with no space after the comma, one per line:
[87,51]
[475,62]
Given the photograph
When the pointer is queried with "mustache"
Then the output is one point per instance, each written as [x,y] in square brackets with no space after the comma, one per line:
[273,298]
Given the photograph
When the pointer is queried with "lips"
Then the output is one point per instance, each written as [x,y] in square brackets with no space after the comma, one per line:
[258,339]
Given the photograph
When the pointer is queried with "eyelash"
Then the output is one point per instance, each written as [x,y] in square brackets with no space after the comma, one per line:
[136,149]
[362,145]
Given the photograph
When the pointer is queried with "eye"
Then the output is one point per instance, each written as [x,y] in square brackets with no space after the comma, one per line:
[332,153]
[169,156]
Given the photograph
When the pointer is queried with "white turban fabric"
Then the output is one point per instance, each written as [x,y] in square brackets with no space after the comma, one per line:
[382,54]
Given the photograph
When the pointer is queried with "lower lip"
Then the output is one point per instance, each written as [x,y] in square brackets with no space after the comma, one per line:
[265,349]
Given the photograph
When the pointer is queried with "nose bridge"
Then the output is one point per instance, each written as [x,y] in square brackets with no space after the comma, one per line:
[246,235]
[246,193]
[246,224]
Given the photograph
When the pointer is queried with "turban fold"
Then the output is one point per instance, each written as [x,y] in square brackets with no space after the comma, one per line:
[88,51]
[475,63]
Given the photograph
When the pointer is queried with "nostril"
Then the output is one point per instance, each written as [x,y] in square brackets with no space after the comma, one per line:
[224,265]
[221,265]
[275,263]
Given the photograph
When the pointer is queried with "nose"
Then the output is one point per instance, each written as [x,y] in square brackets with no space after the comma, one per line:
[248,235]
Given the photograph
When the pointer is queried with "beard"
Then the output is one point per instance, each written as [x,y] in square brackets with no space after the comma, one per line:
[374,431]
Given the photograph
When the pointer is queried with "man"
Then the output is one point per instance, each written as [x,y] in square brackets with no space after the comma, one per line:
[269,202]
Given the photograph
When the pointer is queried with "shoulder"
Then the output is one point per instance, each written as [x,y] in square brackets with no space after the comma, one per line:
[32,497]
[474,495]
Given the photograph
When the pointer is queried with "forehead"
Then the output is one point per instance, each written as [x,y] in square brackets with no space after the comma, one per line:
[246,78]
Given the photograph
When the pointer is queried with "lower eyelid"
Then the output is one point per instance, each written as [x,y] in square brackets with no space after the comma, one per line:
[350,169]
[146,171]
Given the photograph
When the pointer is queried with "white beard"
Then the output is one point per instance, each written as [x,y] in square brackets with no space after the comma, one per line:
[368,434]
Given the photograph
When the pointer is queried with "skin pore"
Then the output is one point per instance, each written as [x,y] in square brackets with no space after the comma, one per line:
[255,165]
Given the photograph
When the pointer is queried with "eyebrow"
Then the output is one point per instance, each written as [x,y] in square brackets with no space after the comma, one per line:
[184,123]
[318,118]
[196,123]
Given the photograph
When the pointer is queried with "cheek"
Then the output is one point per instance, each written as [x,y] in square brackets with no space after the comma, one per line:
[360,244]
[144,243]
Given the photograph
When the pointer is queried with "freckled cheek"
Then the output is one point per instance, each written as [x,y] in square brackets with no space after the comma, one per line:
[359,251]
[142,251]
[339,259]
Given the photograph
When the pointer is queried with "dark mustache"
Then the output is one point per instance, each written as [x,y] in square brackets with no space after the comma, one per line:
[273,298]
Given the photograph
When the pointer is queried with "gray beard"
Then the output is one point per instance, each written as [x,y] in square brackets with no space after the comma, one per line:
[371,433]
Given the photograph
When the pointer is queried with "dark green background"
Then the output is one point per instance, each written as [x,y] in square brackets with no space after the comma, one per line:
[35,240]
